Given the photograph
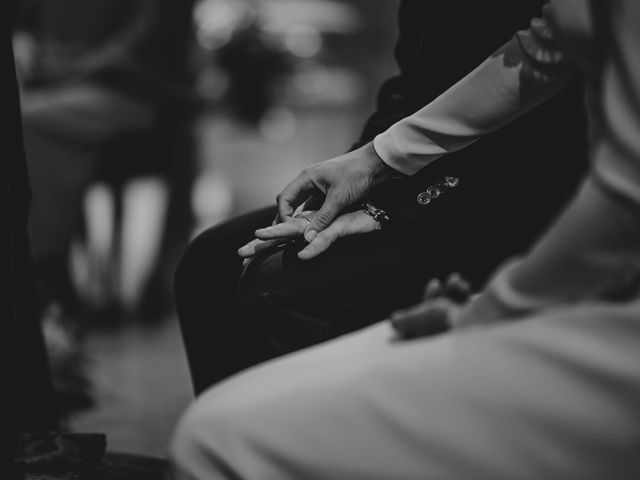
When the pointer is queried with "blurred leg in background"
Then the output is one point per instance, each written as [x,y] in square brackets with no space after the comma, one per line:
[64,133]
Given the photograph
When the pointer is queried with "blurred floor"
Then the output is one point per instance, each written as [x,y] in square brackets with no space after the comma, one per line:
[140,375]
[141,385]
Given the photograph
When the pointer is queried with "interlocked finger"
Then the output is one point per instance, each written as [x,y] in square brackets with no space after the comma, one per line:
[320,243]
[293,227]
[257,246]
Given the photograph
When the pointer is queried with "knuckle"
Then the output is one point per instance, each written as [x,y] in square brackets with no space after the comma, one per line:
[322,218]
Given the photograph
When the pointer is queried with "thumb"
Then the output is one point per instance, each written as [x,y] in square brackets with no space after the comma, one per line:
[324,217]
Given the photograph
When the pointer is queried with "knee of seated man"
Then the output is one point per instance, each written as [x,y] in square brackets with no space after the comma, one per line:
[190,274]
[263,274]
[212,257]
[209,262]
[195,260]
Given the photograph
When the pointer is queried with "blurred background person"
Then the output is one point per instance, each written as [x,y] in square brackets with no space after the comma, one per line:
[105,87]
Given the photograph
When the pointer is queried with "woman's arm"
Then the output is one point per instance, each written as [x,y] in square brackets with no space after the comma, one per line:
[595,244]
[520,75]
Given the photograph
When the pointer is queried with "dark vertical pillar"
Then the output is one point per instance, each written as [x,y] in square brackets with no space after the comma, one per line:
[25,382]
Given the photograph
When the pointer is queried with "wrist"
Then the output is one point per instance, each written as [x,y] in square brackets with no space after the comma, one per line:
[382,172]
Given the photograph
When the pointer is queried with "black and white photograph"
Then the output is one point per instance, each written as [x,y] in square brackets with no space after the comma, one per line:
[320,239]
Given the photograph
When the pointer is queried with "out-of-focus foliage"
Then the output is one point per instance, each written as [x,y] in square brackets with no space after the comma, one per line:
[257,57]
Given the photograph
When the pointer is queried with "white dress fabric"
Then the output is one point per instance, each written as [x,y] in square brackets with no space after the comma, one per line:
[549,390]
[550,397]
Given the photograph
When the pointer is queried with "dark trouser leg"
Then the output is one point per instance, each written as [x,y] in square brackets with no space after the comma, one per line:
[293,304]
[216,340]
[285,304]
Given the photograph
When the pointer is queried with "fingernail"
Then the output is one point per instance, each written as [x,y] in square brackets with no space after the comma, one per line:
[433,287]
[309,235]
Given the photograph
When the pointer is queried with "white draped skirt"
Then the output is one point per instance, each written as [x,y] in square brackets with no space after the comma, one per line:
[555,396]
